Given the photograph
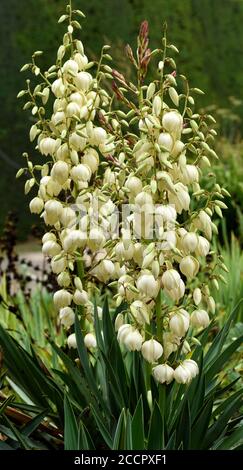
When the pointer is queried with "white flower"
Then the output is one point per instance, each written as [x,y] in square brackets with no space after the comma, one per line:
[140,312]
[180,198]
[53,210]
[81,172]
[163,373]
[67,316]
[58,88]
[203,246]
[190,242]
[62,298]
[152,350]
[60,172]
[91,159]
[192,367]
[182,374]
[179,322]
[165,140]
[58,264]
[123,331]
[47,146]
[133,341]
[70,66]
[90,341]
[99,136]
[134,185]
[71,341]
[189,266]
[72,109]
[171,279]
[36,205]
[172,122]
[83,80]
[51,248]
[147,285]
[80,298]
[200,318]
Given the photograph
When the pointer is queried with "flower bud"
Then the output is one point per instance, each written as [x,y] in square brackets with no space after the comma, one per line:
[64,279]
[200,318]
[81,60]
[179,322]
[62,298]
[157,105]
[152,350]
[67,316]
[36,205]
[189,266]
[90,341]
[163,373]
[119,321]
[197,296]
[71,341]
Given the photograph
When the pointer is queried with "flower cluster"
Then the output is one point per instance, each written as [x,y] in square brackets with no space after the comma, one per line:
[145,164]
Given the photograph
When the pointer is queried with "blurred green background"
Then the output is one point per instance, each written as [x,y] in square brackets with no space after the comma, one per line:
[208,33]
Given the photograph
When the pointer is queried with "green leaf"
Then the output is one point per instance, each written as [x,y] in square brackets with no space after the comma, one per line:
[183,427]
[84,440]
[119,437]
[221,424]
[219,341]
[34,423]
[138,427]
[102,427]
[231,442]
[201,424]
[70,426]
[216,365]
[156,430]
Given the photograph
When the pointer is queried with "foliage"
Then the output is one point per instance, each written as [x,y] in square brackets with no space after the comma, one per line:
[114,403]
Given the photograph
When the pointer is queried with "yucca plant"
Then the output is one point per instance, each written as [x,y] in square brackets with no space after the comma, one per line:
[127,220]
[110,400]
